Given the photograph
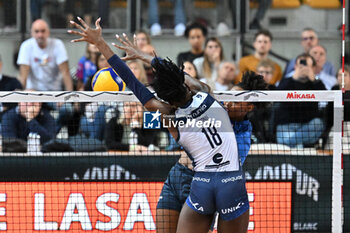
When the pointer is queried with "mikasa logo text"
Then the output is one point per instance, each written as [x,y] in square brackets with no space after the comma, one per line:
[295,95]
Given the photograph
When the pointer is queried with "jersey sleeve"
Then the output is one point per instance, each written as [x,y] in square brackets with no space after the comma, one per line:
[243,131]
[23,55]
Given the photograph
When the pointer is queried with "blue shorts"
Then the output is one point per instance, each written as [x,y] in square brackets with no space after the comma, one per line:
[224,192]
[176,188]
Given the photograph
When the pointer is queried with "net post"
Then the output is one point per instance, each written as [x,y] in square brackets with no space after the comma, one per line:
[337,173]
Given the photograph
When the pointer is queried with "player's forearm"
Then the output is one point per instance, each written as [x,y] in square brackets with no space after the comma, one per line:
[104,48]
[139,90]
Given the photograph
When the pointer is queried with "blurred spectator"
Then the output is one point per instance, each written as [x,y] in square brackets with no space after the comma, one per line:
[149,49]
[225,78]
[93,121]
[41,59]
[195,34]
[262,45]
[36,7]
[86,66]
[142,38]
[70,10]
[261,117]
[346,96]
[27,118]
[223,7]
[8,83]
[179,18]
[266,69]
[101,62]
[139,139]
[264,5]
[319,53]
[208,64]
[9,14]
[190,69]
[136,66]
[299,124]
[309,39]
[346,79]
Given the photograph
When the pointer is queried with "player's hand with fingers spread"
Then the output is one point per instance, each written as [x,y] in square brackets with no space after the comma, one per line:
[131,49]
[88,34]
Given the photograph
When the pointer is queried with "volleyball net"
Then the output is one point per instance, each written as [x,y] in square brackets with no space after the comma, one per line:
[97,161]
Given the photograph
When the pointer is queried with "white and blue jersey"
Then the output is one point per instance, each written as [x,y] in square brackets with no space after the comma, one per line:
[218,183]
[206,133]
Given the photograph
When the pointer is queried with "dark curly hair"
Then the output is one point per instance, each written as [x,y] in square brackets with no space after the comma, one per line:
[196,25]
[168,80]
[252,81]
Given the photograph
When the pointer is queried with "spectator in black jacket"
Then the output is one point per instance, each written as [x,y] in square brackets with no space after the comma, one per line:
[298,123]
[139,139]
[27,118]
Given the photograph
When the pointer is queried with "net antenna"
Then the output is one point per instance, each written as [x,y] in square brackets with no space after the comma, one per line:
[343,48]
[330,96]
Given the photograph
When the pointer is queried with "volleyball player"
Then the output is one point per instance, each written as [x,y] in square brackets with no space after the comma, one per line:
[218,183]
[177,185]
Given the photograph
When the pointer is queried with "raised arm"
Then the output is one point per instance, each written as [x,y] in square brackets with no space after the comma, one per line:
[131,50]
[94,36]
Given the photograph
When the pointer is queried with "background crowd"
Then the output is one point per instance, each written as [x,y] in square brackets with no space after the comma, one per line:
[43,66]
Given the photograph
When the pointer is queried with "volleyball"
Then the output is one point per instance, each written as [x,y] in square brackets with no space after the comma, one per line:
[107,79]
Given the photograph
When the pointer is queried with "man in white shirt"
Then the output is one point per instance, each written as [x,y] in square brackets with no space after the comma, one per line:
[43,66]
[226,75]
[43,61]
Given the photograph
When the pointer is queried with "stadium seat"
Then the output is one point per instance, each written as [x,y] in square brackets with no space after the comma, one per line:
[204,3]
[118,3]
[331,4]
[279,4]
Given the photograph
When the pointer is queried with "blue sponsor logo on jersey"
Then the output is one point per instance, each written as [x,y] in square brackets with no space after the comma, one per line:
[151,120]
